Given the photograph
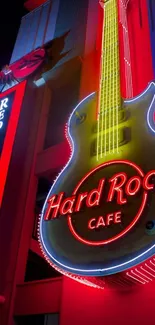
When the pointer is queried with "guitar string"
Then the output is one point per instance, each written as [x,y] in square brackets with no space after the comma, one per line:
[98,117]
[112,59]
[114,77]
[103,80]
[103,58]
[111,73]
[117,77]
[127,55]
[113,92]
[109,76]
[106,84]
[115,88]
[100,94]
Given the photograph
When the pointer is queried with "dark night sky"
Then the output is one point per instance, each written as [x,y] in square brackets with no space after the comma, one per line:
[11,13]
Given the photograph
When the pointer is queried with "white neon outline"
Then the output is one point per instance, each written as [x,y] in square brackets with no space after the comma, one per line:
[142,268]
[152,263]
[135,279]
[97,270]
[148,115]
[133,272]
[143,275]
[149,267]
[72,154]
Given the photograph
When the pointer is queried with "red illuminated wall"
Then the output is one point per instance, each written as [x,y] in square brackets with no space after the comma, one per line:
[140,47]
[79,304]
[11,132]
[84,305]
[76,303]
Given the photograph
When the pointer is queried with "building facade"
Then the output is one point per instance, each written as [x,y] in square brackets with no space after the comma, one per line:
[54,65]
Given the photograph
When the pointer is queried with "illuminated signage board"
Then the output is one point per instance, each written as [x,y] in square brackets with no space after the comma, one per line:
[99,227]
[5,111]
[114,191]
[10,106]
[98,216]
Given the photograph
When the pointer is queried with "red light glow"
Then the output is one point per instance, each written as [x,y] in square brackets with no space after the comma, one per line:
[10,134]
[113,188]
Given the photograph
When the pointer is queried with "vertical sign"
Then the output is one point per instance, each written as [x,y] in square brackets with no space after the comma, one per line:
[10,106]
[6,104]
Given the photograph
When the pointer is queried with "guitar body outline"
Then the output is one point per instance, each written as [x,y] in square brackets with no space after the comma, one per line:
[121,263]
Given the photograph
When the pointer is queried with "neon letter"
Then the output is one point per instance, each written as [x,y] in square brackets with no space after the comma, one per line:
[53,205]
[146,184]
[67,205]
[109,218]
[117,217]
[79,201]
[117,188]
[90,226]
[4,103]
[100,222]
[128,188]
[94,196]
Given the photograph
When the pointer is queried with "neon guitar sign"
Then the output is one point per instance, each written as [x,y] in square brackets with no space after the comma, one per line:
[119,189]
[94,218]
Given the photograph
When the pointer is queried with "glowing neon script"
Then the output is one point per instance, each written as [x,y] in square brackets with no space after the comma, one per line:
[120,188]
[3,106]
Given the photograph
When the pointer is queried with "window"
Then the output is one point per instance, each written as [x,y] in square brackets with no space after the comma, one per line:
[49,319]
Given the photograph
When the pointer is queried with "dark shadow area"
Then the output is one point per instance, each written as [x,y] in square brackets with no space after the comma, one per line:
[38,269]
[49,319]
[31,320]
[11,13]
[54,50]
[54,54]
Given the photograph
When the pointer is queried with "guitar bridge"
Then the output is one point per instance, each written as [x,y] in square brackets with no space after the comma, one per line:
[109,142]
[109,120]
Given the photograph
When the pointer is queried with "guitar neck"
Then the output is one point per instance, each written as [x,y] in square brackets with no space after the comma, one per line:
[109,92]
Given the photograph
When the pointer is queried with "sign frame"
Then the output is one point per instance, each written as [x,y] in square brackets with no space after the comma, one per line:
[5,157]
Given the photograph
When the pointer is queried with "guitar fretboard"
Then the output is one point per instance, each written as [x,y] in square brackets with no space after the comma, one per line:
[109,101]
[110,96]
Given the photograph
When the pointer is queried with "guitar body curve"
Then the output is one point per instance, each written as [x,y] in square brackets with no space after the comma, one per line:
[70,241]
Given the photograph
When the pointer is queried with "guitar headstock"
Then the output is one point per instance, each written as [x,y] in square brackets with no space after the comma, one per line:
[103,2]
